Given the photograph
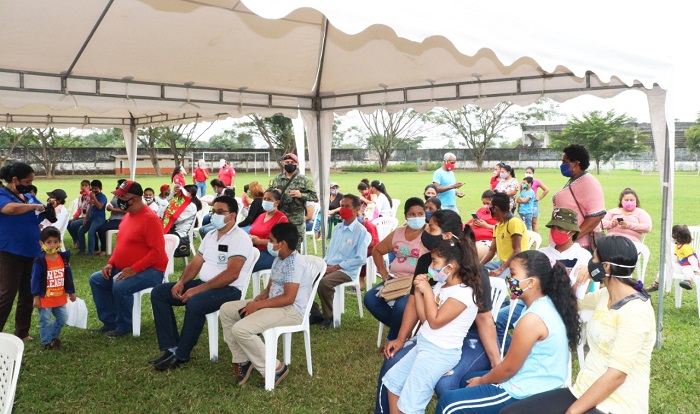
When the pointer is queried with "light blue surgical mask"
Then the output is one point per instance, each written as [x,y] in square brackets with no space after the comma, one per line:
[270,249]
[438,275]
[504,175]
[416,223]
[217,220]
[268,205]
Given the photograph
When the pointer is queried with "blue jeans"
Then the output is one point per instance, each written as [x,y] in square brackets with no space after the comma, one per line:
[536,209]
[201,188]
[264,262]
[527,219]
[91,229]
[482,399]
[388,315]
[309,225]
[495,264]
[115,300]
[205,229]
[49,329]
[196,310]
[473,359]
[73,227]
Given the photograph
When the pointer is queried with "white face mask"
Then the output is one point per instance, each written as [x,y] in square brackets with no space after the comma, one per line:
[217,220]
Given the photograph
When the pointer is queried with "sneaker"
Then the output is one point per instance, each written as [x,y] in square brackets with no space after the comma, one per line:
[654,287]
[242,371]
[327,323]
[279,376]
[116,334]
[686,284]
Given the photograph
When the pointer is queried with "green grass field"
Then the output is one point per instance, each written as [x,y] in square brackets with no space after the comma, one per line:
[95,374]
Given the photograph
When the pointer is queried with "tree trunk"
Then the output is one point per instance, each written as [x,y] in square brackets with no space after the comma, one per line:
[597,167]
[153,155]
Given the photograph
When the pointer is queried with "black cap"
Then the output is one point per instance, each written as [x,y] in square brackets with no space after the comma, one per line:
[58,194]
[129,187]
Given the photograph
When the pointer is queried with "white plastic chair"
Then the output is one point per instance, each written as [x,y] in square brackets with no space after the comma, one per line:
[585,316]
[239,217]
[317,268]
[110,234]
[395,203]
[317,210]
[385,225]
[534,239]
[679,277]
[499,290]
[11,351]
[644,254]
[213,318]
[260,275]
[198,220]
[171,242]
[339,300]
[206,199]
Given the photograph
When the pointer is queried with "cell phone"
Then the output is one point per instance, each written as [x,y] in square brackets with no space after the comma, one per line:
[620,219]
[240,313]
[475,216]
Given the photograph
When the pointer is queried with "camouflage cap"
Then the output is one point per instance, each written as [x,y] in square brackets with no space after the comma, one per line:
[565,218]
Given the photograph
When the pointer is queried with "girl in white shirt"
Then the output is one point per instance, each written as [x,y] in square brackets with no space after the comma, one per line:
[383,202]
[449,308]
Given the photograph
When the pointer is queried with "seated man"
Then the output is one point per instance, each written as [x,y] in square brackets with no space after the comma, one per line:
[282,303]
[224,259]
[509,237]
[346,254]
[137,263]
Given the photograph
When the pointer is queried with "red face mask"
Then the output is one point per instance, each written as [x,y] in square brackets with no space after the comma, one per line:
[449,167]
[558,237]
[346,213]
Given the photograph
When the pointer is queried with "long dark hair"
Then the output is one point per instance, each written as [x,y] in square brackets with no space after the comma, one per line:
[18,169]
[192,189]
[620,250]
[379,186]
[176,171]
[555,283]
[462,250]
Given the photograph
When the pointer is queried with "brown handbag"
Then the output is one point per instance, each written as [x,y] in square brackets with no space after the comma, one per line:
[396,287]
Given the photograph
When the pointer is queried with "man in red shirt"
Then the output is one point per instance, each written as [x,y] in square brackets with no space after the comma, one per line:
[226,173]
[138,262]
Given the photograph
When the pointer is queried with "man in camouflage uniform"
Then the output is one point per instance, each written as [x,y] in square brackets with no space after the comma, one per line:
[298,192]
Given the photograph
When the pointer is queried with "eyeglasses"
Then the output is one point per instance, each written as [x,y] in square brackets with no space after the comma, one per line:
[221,212]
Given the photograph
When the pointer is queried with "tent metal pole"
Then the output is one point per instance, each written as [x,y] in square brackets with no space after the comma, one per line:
[87,40]
[664,221]
[319,144]
[134,147]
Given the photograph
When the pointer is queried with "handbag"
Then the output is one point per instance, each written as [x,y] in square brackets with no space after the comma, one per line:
[396,287]
[593,236]
[183,247]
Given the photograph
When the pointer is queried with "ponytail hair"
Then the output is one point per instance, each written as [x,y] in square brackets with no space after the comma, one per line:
[18,169]
[462,250]
[555,283]
[619,250]
[379,186]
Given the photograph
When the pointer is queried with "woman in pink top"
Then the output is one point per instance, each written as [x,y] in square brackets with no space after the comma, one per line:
[405,243]
[628,219]
[582,193]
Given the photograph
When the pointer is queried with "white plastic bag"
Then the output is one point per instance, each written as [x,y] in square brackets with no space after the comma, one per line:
[77,313]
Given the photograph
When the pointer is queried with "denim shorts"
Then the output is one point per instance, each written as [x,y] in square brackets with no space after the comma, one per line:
[536,209]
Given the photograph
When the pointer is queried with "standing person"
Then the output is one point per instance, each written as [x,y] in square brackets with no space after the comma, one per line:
[282,303]
[296,189]
[80,213]
[581,193]
[430,191]
[178,176]
[346,254]
[446,183]
[526,202]
[137,262]
[20,215]
[52,279]
[200,175]
[536,185]
[93,220]
[223,262]
[508,185]
[227,174]
[615,375]
[628,219]
[383,203]
[115,219]
[509,238]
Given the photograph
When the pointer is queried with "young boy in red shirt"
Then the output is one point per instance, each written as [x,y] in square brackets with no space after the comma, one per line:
[52,278]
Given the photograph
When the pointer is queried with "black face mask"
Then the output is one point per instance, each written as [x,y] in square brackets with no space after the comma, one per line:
[290,168]
[123,204]
[596,270]
[22,189]
[430,241]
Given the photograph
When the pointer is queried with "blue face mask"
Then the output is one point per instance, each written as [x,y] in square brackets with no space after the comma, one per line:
[428,215]
[273,253]
[416,223]
[217,221]
[268,205]
[564,168]
[438,275]
[504,175]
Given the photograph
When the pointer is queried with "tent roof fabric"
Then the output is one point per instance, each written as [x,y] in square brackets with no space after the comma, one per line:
[218,58]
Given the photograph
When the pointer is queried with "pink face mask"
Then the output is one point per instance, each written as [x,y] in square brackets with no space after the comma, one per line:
[629,205]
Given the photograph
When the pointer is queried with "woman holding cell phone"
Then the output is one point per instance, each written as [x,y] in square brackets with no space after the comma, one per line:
[628,219]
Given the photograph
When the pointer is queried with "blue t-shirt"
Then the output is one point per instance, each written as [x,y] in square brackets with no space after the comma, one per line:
[19,234]
[99,213]
[526,208]
[446,178]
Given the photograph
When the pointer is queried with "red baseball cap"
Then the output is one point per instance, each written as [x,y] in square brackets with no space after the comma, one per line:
[164,187]
[291,156]
[129,187]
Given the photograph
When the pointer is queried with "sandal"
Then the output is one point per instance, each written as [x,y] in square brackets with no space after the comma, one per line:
[686,284]
[654,287]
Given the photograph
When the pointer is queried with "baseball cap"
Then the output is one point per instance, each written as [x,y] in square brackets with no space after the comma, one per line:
[58,194]
[334,184]
[129,187]
[565,218]
[290,156]
[164,188]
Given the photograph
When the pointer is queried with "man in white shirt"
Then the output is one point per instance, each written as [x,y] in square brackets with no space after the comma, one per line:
[224,259]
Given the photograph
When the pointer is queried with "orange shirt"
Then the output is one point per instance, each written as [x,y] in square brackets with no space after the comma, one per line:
[55,280]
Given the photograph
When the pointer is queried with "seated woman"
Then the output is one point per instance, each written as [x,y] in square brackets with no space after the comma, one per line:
[483,224]
[432,205]
[614,377]
[405,243]
[220,189]
[479,348]
[180,213]
[255,209]
[282,303]
[383,203]
[628,219]
[538,358]
[367,199]
[260,230]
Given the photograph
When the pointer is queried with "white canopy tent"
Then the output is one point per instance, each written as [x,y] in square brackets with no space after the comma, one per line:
[134,63]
